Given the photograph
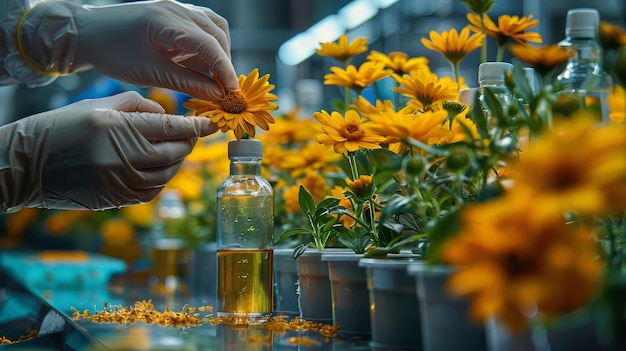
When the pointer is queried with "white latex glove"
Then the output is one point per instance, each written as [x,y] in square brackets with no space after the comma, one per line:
[94,154]
[149,43]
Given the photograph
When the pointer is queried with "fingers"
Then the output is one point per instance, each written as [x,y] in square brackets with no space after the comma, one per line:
[160,127]
[130,101]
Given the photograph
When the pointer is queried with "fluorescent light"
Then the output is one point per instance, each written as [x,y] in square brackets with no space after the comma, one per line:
[328,29]
[357,12]
[383,4]
[297,49]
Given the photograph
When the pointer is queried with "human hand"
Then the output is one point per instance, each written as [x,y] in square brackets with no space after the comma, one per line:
[149,43]
[94,154]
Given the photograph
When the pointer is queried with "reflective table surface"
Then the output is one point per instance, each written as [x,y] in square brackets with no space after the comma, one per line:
[51,312]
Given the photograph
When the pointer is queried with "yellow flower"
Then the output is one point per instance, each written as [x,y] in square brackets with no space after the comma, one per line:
[544,59]
[356,79]
[343,50]
[509,27]
[243,110]
[362,187]
[312,157]
[188,182]
[290,199]
[339,193]
[313,182]
[427,127]
[17,222]
[399,62]
[617,104]
[515,254]
[346,134]
[452,45]
[117,233]
[425,90]
[141,215]
[578,165]
[611,36]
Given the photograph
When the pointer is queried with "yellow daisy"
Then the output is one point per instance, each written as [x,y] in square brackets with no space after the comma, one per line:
[515,254]
[452,45]
[425,90]
[399,62]
[578,165]
[343,50]
[617,104]
[339,193]
[242,110]
[346,134]
[508,27]
[312,157]
[356,79]
[427,127]
[544,59]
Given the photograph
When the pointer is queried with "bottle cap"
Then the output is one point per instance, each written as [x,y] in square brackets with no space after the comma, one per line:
[245,148]
[493,71]
[530,76]
[582,23]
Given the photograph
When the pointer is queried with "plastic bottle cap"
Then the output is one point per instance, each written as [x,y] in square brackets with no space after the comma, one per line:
[245,148]
[493,71]
[582,23]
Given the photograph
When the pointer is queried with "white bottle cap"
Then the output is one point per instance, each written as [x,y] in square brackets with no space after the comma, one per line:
[493,71]
[245,148]
[582,23]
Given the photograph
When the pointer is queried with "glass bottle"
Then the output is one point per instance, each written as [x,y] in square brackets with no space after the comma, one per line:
[491,77]
[245,230]
[583,74]
[169,252]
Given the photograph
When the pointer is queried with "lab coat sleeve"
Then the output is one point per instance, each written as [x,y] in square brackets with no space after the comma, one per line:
[13,67]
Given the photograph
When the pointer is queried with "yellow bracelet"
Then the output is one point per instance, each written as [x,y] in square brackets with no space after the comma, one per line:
[28,60]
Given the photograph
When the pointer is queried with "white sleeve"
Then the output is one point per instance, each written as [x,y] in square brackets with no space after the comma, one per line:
[13,67]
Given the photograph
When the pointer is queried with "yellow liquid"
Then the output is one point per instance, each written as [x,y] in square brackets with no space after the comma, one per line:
[245,282]
[169,260]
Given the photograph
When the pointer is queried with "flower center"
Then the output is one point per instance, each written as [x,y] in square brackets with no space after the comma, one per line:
[234,102]
[351,131]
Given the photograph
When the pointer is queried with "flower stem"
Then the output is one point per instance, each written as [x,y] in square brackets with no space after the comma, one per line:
[346,99]
[483,49]
[500,53]
[353,166]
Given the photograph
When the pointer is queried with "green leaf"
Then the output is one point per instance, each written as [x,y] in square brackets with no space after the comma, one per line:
[384,159]
[299,250]
[291,232]
[307,204]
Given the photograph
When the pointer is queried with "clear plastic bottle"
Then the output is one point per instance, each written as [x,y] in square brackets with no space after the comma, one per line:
[245,231]
[169,252]
[491,77]
[583,73]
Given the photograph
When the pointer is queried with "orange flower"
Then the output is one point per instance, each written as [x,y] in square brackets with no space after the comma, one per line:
[356,79]
[399,62]
[243,110]
[346,134]
[452,45]
[343,50]
[509,27]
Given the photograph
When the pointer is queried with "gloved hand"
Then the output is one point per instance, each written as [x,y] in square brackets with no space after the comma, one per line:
[149,43]
[94,154]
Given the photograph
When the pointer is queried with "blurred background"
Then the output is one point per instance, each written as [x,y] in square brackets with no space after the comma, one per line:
[279,37]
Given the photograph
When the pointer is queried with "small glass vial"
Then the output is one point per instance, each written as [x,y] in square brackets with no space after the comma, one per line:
[245,231]
[491,77]
[583,74]
[169,251]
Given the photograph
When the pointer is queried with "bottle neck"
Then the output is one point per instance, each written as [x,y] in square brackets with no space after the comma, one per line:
[245,166]
[586,54]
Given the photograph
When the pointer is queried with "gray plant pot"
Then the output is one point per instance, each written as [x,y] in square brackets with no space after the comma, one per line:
[350,299]
[285,282]
[395,314]
[314,294]
[445,319]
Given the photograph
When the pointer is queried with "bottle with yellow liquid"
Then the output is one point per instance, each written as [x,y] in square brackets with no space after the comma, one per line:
[245,230]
